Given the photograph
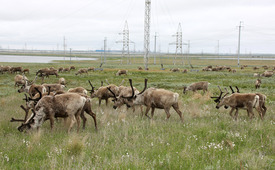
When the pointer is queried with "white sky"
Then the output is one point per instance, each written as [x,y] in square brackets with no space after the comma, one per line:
[42,24]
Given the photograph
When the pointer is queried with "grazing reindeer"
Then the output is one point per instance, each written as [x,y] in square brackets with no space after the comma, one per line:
[154,98]
[63,105]
[120,72]
[103,93]
[120,100]
[202,85]
[78,90]
[29,87]
[16,69]
[26,70]
[175,69]
[237,101]
[62,81]
[81,71]
[258,83]
[267,74]
[54,87]
[20,80]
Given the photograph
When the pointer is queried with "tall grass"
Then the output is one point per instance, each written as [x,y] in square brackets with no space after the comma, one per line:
[208,138]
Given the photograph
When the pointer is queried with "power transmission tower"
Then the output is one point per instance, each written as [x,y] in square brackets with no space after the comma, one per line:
[178,43]
[239,43]
[147,32]
[125,41]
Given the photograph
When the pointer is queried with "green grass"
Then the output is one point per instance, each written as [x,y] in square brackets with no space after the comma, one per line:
[208,138]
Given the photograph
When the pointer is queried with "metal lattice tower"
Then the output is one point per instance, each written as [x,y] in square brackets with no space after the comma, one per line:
[125,41]
[178,43]
[147,32]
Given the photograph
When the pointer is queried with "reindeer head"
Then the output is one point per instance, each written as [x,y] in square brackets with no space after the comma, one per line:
[134,98]
[221,100]
[92,92]
[26,126]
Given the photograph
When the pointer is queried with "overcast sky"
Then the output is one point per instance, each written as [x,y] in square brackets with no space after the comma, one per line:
[42,24]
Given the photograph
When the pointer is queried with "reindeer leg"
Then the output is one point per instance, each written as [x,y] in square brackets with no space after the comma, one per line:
[147,110]
[72,121]
[167,113]
[78,122]
[106,102]
[152,112]
[236,114]
[264,110]
[52,122]
[84,119]
[176,107]
[232,109]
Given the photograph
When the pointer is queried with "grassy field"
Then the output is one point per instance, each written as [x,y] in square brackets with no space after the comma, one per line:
[208,138]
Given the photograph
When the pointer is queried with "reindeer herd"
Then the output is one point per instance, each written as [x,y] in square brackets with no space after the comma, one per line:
[52,101]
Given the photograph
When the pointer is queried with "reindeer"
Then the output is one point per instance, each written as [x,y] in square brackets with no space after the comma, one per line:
[267,74]
[258,83]
[26,70]
[91,69]
[72,67]
[20,80]
[16,69]
[60,69]
[202,85]
[246,101]
[78,90]
[120,100]
[62,81]
[175,69]
[120,72]
[31,103]
[5,69]
[66,70]
[29,87]
[54,87]
[81,71]
[102,92]
[68,105]
[154,98]
[140,68]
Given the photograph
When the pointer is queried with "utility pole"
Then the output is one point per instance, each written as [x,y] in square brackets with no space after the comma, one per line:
[155,48]
[178,43]
[239,43]
[218,49]
[147,32]
[105,48]
[64,45]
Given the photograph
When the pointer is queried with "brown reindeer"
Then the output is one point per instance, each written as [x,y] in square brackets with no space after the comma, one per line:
[68,105]
[155,98]
[202,85]
[102,93]
[81,71]
[26,70]
[20,80]
[258,83]
[237,101]
[267,74]
[29,87]
[175,69]
[120,72]
[16,69]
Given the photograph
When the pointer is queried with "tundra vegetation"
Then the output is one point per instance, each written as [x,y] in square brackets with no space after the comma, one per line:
[208,139]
